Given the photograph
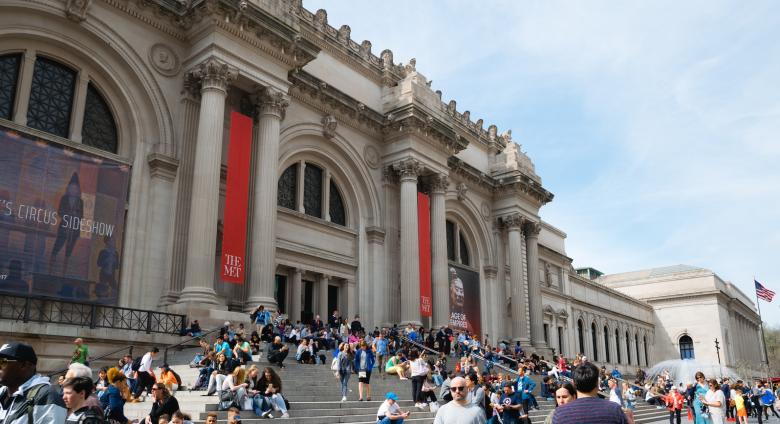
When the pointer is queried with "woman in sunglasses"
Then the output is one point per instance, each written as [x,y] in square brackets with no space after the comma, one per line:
[164,404]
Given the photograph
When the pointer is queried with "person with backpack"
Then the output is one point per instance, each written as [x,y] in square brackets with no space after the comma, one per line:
[26,397]
[143,368]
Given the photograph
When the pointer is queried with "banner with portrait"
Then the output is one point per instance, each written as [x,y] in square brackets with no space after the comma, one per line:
[62,214]
[465,310]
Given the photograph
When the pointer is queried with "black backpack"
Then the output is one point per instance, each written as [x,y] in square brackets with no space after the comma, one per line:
[136,364]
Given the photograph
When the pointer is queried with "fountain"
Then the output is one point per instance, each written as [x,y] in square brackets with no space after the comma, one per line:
[684,370]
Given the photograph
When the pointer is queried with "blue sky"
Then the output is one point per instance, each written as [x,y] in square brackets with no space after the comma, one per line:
[656,123]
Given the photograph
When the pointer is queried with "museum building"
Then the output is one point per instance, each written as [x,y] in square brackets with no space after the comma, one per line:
[346,144]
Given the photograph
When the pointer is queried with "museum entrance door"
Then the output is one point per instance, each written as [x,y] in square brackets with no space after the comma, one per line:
[333,298]
[307,313]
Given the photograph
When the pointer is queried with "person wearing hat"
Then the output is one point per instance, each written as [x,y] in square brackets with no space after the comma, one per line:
[459,410]
[81,353]
[389,411]
[26,396]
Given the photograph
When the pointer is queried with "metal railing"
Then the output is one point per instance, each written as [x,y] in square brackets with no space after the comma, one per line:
[180,344]
[93,315]
[129,349]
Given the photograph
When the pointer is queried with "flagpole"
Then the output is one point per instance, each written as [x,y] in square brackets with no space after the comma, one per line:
[763,338]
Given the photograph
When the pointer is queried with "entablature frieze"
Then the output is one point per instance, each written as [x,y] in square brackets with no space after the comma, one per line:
[412,120]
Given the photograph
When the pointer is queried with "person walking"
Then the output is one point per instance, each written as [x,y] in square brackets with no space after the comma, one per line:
[588,407]
[380,347]
[459,410]
[345,359]
[629,401]
[739,406]
[364,364]
[81,353]
[144,379]
[674,402]
[699,391]
[261,318]
[715,402]
[419,371]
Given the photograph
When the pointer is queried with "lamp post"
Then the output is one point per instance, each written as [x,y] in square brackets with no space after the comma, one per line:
[717,351]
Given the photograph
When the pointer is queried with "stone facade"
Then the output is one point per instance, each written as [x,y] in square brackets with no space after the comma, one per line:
[343,141]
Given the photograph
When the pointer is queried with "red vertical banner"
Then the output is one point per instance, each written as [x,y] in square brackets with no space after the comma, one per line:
[424,238]
[236,199]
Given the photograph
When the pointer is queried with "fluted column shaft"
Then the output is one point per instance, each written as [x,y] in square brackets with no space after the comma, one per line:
[215,77]
[270,105]
[642,358]
[632,357]
[602,346]
[295,295]
[323,297]
[350,287]
[439,274]
[410,249]
[514,225]
[534,289]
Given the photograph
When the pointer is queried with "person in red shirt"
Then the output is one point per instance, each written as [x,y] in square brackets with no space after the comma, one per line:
[674,402]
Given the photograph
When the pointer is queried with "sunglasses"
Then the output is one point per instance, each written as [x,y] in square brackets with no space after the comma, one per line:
[458,388]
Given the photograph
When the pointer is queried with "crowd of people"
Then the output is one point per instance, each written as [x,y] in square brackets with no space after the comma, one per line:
[450,373]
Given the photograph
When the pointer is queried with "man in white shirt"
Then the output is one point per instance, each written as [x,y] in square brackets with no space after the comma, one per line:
[389,412]
[144,378]
[459,410]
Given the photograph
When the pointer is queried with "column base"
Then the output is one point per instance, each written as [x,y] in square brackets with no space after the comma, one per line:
[253,302]
[198,295]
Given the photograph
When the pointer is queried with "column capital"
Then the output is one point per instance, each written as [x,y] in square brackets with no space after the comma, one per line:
[211,74]
[491,271]
[298,270]
[532,228]
[439,183]
[513,222]
[324,277]
[270,101]
[408,169]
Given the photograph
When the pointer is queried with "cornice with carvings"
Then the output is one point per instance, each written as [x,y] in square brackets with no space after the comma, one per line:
[411,119]
[323,97]
[524,185]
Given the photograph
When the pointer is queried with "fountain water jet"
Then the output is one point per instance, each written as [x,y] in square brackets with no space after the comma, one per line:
[684,370]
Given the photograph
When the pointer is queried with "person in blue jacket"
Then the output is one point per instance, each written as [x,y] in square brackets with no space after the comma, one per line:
[525,387]
[364,363]
[616,374]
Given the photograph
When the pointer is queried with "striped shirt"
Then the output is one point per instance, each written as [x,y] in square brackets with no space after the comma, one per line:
[589,410]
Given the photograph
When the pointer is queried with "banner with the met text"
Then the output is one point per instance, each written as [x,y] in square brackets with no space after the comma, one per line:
[424,238]
[62,218]
[465,311]
[233,261]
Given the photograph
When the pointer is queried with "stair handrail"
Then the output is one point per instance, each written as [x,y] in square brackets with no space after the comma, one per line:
[198,337]
[128,347]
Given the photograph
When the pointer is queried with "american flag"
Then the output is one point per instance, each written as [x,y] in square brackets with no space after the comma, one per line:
[763,292]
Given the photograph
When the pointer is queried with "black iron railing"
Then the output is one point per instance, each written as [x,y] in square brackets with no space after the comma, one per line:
[181,344]
[92,315]
[128,348]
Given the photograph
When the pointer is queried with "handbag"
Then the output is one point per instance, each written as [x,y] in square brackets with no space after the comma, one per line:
[362,374]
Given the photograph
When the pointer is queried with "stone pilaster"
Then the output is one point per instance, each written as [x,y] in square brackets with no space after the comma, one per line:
[25,84]
[642,357]
[295,295]
[514,226]
[409,170]
[323,297]
[350,288]
[270,106]
[532,230]
[439,274]
[215,77]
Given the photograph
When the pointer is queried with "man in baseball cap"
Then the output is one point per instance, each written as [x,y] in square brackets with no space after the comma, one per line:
[389,412]
[26,396]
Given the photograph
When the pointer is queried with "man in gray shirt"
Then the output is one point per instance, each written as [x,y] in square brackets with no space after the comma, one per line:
[459,410]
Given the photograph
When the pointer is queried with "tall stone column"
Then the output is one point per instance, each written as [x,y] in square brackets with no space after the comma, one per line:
[642,358]
[295,295]
[323,297]
[214,76]
[439,272]
[602,347]
[270,107]
[633,359]
[514,225]
[408,171]
[532,230]
[623,346]
[351,306]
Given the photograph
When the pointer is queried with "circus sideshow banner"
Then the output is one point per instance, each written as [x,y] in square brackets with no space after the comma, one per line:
[465,311]
[62,217]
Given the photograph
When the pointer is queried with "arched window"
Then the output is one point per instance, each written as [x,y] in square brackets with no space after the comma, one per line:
[99,129]
[606,343]
[594,339]
[9,74]
[617,347]
[286,188]
[315,180]
[628,349]
[337,212]
[581,335]
[51,97]
[312,190]
[457,247]
[686,347]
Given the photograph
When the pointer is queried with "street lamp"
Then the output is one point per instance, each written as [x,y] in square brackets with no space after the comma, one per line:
[717,351]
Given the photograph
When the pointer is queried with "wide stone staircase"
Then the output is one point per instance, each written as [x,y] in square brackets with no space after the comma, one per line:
[315,397]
